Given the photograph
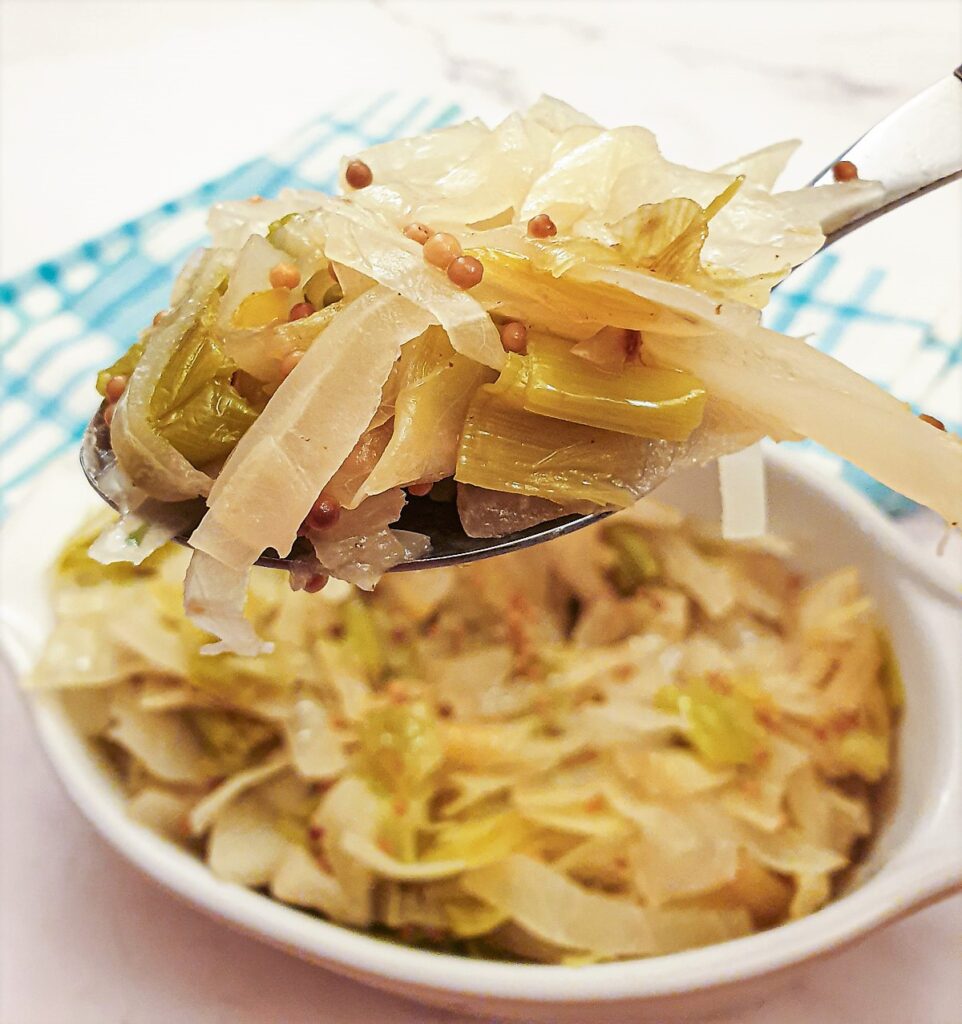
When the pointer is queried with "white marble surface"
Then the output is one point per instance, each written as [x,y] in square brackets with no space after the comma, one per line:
[109,108]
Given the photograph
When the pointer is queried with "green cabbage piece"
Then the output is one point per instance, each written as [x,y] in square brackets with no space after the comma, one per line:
[363,639]
[399,752]
[469,917]
[635,564]
[480,840]
[234,740]
[246,682]
[275,226]
[299,235]
[194,407]
[123,367]
[667,238]
[400,749]
[866,753]
[721,722]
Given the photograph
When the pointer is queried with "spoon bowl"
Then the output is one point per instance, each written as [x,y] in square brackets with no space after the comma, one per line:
[438,520]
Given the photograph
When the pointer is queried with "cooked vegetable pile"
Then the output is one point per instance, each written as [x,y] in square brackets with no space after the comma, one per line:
[633,740]
[549,314]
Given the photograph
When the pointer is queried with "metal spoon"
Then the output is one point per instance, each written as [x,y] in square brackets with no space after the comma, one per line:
[914,150]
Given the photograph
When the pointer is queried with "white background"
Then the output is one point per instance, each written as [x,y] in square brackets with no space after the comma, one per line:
[108,108]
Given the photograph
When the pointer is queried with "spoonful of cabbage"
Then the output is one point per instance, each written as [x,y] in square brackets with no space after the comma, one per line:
[914,150]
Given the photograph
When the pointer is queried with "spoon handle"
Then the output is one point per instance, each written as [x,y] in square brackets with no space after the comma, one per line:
[916,149]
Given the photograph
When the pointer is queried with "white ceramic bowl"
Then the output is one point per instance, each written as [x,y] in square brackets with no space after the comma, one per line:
[916,859]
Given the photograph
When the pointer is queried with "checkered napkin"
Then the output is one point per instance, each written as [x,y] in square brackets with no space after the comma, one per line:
[68,317]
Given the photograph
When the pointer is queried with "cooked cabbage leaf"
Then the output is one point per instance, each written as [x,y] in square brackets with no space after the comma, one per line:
[324,396]
[435,385]
[720,719]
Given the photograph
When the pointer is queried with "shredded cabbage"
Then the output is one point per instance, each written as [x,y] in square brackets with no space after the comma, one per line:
[371,247]
[741,476]
[434,385]
[640,740]
[325,396]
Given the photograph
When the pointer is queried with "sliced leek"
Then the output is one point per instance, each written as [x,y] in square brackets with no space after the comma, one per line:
[640,400]
[506,448]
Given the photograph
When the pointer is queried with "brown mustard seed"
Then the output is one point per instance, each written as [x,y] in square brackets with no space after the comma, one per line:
[115,388]
[441,249]
[358,174]
[542,226]
[465,271]
[419,490]
[284,275]
[397,692]
[109,413]
[932,421]
[845,170]
[290,361]
[315,583]
[514,337]
[324,513]
[418,232]
[300,310]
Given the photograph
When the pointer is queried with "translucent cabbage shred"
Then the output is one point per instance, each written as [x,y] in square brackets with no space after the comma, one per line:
[314,348]
[636,741]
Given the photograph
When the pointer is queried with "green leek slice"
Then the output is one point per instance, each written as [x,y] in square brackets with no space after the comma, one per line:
[635,564]
[194,406]
[641,400]
[506,448]
[720,720]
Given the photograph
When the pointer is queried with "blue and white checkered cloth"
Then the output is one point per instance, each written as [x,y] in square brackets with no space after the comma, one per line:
[70,316]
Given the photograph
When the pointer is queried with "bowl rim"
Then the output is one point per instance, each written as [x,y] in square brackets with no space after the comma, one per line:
[923,869]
